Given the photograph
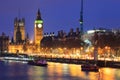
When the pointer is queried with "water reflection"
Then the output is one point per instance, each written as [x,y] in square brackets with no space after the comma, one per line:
[109,74]
[54,71]
[60,71]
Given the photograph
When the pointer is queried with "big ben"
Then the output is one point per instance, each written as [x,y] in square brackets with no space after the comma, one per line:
[38,29]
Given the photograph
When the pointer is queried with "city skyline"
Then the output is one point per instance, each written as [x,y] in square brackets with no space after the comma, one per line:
[59,15]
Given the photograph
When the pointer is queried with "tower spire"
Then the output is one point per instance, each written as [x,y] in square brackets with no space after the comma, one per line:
[38,15]
[81,18]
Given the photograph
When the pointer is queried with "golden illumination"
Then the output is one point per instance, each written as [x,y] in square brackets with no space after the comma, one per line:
[31,41]
[15,48]
[107,74]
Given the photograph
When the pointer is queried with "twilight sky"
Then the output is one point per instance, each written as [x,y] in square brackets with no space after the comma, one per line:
[59,14]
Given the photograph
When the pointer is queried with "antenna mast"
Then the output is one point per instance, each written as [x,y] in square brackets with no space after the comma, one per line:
[81,19]
[19,13]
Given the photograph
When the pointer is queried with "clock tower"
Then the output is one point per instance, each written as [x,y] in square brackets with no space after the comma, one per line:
[38,29]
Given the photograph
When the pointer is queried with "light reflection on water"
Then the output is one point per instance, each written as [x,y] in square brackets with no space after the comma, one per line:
[54,71]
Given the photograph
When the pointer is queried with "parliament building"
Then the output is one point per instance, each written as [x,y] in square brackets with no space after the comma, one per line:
[20,42]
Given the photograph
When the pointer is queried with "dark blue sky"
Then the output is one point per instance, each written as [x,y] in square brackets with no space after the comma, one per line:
[59,14]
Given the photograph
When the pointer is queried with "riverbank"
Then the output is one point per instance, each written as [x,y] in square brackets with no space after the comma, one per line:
[100,63]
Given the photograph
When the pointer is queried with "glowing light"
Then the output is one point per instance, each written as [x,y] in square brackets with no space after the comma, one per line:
[31,42]
[38,21]
[81,48]
[81,22]
[93,31]
[106,47]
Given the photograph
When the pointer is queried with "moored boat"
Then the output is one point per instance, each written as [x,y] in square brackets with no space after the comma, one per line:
[40,62]
[90,67]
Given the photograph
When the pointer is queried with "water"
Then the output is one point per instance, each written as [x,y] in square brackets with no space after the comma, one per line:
[54,71]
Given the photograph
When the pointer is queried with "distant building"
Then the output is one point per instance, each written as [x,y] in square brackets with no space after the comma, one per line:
[64,40]
[4,43]
[103,37]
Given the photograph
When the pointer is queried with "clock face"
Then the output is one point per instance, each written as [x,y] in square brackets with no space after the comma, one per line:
[39,25]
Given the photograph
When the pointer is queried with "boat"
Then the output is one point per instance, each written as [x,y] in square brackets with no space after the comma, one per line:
[14,57]
[40,62]
[90,67]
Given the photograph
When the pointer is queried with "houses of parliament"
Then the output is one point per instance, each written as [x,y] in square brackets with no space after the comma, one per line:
[20,41]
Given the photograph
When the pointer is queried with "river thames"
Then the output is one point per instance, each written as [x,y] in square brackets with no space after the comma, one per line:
[54,71]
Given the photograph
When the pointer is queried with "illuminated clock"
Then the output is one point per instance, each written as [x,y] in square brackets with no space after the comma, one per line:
[39,25]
